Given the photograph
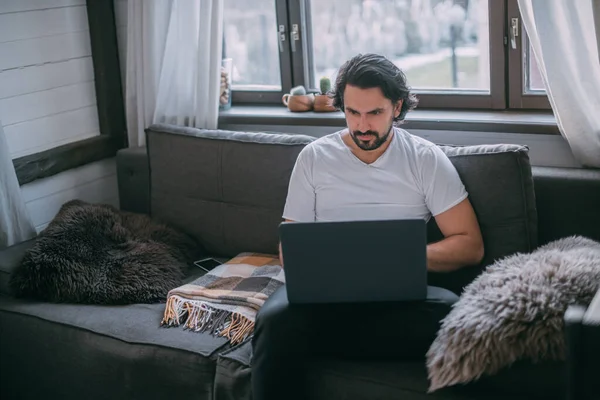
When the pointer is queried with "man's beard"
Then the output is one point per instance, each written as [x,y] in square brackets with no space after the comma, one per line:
[375,144]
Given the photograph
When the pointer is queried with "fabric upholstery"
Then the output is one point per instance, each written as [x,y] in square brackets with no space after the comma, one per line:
[101,352]
[568,202]
[133,180]
[508,222]
[10,259]
[331,379]
[225,188]
[228,189]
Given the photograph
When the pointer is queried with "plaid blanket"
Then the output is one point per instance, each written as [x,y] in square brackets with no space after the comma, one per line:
[225,301]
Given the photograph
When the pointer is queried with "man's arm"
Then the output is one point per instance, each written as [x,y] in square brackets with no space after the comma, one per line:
[280,254]
[462,244]
[300,201]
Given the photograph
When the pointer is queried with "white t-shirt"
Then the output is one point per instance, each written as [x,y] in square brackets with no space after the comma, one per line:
[413,178]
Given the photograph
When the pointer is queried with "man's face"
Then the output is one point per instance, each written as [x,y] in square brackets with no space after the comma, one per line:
[369,115]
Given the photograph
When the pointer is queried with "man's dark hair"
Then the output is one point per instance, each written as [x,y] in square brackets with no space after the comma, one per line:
[373,70]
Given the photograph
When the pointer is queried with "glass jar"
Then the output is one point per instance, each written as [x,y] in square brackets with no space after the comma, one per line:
[225,92]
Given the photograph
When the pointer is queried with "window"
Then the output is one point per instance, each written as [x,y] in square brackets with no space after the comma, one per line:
[455,53]
[251,42]
[526,88]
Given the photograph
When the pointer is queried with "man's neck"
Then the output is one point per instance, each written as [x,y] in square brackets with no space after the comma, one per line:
[368,157]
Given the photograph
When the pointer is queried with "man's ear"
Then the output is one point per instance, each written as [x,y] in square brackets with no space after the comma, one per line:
[398,108]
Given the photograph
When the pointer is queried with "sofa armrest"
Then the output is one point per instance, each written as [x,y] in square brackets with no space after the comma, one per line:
[10,259]
[592,314]
[582,330]
[133,177]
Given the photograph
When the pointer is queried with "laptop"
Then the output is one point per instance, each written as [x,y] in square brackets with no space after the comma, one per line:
[355,261]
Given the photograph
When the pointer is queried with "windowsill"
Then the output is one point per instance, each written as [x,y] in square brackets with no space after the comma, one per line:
[532,122]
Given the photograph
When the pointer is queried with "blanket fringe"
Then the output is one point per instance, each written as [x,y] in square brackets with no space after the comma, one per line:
[201,317]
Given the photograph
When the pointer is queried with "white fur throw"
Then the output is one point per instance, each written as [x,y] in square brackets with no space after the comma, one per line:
[514,310]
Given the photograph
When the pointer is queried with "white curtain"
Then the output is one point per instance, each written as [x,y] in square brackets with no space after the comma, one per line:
[15,222]
[564,41]
[174,50]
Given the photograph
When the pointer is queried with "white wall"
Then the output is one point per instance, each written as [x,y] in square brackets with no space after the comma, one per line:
[94,182]
[47,98]
[47,95]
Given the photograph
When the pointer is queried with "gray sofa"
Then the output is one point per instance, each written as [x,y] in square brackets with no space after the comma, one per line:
[228,190]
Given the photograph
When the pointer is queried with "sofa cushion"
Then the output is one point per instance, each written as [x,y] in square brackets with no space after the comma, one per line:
[226,188]
[499,181]
[101,352]
[408,380]
[567,202]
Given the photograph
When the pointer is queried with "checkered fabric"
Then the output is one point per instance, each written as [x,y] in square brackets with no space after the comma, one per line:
[225,301]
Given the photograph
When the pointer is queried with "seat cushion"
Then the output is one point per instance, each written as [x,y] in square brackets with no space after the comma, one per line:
[109,352]
[100,352]
[408,380]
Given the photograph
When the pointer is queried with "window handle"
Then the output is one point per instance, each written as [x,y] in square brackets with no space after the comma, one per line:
[514,32]
[281,37]
[294,36]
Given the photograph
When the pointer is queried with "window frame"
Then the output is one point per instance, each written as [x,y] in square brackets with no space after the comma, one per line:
[109,103]
[506,72]
[517,66]
[271,96]
[427,98]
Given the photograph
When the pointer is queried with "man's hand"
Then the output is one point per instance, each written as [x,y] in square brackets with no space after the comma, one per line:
[462,244]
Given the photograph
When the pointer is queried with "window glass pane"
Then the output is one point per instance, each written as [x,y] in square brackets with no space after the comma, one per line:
[439,44]
[533,77]
[250,40]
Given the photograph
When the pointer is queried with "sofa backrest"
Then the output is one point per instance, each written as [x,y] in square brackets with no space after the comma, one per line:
[499,181]
[225,188]
[228,189]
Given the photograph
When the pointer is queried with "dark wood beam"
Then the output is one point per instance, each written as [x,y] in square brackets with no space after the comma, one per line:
[61,158]
[107,72]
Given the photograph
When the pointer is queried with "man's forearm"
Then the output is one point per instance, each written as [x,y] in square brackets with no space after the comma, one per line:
[280,256]
[454,252]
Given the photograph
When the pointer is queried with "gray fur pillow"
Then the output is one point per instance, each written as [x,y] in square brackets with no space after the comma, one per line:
[514,310]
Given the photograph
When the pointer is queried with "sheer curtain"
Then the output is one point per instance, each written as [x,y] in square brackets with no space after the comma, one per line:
[15,222]
[174,50]
[564,41]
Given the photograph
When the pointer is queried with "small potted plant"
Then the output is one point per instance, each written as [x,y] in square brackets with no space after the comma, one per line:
[323,100]
[298,100]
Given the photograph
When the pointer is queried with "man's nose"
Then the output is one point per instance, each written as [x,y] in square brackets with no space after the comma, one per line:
[363,124]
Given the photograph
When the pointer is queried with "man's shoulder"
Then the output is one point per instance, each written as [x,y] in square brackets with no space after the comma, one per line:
[417,146]
[327,143]
[416,141]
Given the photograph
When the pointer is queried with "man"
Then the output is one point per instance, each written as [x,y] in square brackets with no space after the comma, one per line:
[371,170]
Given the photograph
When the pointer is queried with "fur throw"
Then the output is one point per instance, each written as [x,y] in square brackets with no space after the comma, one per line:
[514,310]
[97,254]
